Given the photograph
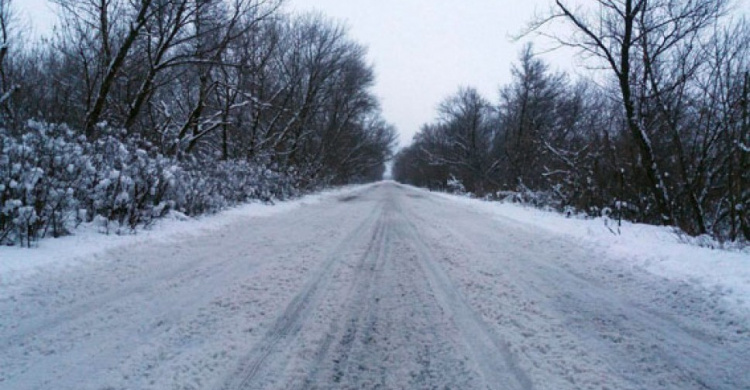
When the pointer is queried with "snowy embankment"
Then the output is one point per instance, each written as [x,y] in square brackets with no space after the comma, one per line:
[656,249]
[87,241]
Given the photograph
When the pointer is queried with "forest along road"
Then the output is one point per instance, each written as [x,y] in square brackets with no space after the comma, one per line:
[384,287]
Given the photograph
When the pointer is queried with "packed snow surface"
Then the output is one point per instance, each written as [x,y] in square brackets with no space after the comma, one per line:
[657,249]
[380,286]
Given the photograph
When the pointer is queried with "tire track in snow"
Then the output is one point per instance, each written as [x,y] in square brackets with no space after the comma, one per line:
[430,337]
[390,331]
[46,323]
[492,356]
[273,350]
[359,323]
[94,320]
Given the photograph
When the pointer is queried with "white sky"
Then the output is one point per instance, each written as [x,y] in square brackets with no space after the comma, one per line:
[424,50]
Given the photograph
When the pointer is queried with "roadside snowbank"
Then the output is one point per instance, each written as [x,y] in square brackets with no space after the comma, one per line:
[87,242]
[656,249]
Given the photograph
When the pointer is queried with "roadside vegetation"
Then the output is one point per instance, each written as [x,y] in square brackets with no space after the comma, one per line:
[133,109]
[658,130]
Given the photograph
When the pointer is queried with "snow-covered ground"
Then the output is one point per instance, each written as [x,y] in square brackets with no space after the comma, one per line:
[657,249]
[89,241]
[380,286]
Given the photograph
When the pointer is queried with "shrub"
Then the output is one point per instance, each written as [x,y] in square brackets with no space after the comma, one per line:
[52,179]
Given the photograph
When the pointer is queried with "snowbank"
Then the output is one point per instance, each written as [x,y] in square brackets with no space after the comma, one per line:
[87,242]
[656,249]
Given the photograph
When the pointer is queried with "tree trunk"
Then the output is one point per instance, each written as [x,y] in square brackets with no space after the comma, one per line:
[658,188]
[92,118]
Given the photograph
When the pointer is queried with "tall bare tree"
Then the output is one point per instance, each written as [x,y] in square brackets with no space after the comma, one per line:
[630,36]
[7,85]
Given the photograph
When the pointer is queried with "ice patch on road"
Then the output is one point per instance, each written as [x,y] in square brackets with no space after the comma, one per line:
[86,242]
[656,249]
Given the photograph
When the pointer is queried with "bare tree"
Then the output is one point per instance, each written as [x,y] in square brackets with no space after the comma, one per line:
[632,34]
[527,115]
[717,130]
[7,85]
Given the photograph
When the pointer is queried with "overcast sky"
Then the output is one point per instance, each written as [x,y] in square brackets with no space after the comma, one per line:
[423,50]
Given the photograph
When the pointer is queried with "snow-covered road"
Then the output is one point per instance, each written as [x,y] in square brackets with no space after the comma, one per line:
[384,287]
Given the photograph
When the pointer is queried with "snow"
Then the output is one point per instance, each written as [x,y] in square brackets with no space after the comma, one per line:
[369,286]
[657,249]
[18,263]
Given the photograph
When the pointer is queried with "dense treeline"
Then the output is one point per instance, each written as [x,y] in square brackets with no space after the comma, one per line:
[133,108]
[659,132]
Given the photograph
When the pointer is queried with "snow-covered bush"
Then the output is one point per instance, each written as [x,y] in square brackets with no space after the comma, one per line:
[39,176]
[204,187]
[129,182]
[526,196]
[52,179]
[455,186]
